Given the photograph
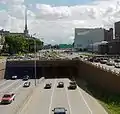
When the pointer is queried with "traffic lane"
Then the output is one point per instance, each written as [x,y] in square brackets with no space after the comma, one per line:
[92,103]
[5,83]
[21,96]
[112,68]
[16,104]
[40,101]
[59,98]
[10,86]
[76,102]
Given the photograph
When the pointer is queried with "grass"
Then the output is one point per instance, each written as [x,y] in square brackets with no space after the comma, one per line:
[2,57]
[110,101]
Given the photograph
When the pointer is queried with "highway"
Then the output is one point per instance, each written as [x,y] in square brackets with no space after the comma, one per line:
[43,101]
[107,67]
[15,86]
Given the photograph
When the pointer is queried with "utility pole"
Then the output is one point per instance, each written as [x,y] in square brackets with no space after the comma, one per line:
[35,59]
[92,46]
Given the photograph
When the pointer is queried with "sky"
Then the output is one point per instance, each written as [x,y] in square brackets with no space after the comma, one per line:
[54,21]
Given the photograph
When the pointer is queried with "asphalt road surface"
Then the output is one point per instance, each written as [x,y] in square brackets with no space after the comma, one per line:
[15,86]
[43,101]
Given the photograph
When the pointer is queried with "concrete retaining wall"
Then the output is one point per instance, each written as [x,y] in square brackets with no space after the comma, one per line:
[2,69]
[98,77]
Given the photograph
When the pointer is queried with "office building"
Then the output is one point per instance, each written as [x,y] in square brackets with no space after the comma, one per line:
[86,36]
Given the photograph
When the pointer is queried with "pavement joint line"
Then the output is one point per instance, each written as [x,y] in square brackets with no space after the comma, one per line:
[28,99]
[98,103]
[85,101]
[70,109]
[18,87]
[51,99]
[9,85]
[2,83]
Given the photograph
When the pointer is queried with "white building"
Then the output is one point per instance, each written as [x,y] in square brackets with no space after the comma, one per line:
[95,46]
[86,36]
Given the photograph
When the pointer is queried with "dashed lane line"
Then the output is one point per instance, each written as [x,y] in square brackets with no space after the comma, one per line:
[70,109]
[85,101]
[9,85]
[52,97]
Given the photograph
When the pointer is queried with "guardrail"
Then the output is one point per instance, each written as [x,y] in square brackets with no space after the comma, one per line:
[104,68]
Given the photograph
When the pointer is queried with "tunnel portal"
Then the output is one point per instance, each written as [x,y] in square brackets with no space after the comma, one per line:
[47,69]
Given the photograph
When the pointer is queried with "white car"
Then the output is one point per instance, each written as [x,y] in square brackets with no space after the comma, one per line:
[26,84]
[14,77]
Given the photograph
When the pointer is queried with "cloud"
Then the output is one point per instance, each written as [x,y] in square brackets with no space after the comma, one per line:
[57,23]
[12,2]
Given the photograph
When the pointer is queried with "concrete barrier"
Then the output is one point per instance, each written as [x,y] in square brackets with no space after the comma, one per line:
[103,79]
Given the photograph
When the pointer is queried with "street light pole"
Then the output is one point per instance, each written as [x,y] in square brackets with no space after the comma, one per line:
[35,59]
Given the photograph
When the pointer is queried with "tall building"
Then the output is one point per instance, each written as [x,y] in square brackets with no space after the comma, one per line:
[108,34]
[86,36]
[117,30]
[26,27]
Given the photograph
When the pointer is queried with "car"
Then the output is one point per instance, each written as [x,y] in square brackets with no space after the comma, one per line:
[60,85]
[26,84]
[59,110]
[103,61]
[117,65]
[25,78]
[97,60]
[48,86]
[72,85]
[110,63]
[14,77]
[8,98]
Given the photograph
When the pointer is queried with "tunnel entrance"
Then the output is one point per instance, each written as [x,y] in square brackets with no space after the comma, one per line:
[47,69]
[57,72]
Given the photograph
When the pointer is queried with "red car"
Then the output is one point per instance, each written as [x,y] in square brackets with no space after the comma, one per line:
[7,98]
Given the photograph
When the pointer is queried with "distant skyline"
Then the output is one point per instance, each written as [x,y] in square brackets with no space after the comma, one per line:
[55,20]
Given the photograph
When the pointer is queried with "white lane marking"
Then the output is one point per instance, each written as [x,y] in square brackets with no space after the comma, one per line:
[70,109]
[85,101]
[3,82]
[18,87]
[51,99]
[28,100]
[9,85]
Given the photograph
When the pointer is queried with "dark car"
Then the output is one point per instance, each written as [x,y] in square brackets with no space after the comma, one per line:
[48,86]
[91,59]
[26,84]
[117,65]
[96,60]
[59,110]
[103,61]
[25,78]
[60,85]
[72,85]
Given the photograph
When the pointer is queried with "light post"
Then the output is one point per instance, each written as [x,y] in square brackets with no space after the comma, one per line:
[35,59]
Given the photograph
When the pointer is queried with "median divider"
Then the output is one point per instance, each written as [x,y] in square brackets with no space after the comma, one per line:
[28,97]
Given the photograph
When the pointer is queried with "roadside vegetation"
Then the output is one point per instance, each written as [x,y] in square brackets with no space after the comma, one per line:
[110,101]
[18,44]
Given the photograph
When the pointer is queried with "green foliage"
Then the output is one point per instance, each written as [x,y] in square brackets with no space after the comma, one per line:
[110,101]
[19,44]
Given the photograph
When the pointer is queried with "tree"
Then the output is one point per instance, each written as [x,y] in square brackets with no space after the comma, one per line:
[19,44]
